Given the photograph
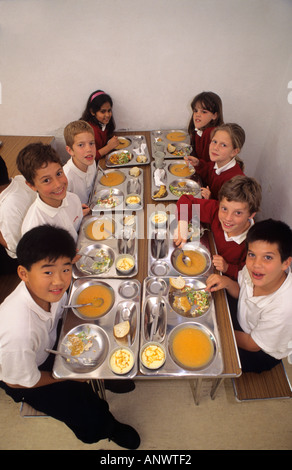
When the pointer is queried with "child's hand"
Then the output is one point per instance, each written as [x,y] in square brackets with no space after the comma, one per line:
[113,142]
[192,160]
[181,234]
[206,193]
[215,282]
[220,263]
[85,209]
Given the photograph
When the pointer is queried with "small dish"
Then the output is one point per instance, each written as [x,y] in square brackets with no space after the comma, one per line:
[153,355]
[125,263]
[133,201]
[159,219]
[121,361]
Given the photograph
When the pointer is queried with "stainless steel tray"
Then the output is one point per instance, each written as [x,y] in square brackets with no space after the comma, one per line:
[193,182]
[160,141]
[123,240]
[162,252]
[131,185]
[168,320]
[127,296]
[137,147]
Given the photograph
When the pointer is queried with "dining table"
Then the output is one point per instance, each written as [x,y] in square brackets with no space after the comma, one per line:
[231,367]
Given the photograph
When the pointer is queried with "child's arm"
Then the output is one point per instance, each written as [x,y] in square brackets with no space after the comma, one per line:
[217,282]
[111,145]
[245,341]
[181,235]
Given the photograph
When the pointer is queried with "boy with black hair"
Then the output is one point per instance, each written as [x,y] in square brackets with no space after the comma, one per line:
[263,324]
[29,317]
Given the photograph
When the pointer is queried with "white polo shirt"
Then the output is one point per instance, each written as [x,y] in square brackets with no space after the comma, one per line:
[80,182]
[26,330]
[68,216]
[15,201]
[267,318]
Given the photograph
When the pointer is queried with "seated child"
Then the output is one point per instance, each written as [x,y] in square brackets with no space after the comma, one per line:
[230,219]
[15,199]
[207,114]
[80,169]
[41,167]
[226,142]
[263,324]
[99,114]
[29,317]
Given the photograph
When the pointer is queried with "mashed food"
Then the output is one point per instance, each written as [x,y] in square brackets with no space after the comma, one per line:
[153,356]
[122,361]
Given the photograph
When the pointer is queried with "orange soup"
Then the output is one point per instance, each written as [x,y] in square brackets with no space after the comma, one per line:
[93,294]
[176,136]
[113,178]
[180,169]
[123,143]
[192,348]
[100,229]
[196,266]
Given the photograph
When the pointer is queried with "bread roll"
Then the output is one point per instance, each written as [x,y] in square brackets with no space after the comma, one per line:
[177,282]
[121,330]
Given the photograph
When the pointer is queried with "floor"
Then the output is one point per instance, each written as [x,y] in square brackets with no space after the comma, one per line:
[164,414]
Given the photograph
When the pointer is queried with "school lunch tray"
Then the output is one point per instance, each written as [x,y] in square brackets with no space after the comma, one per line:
[169,321]
[131,185]
[159,142]
[123,240]
[127,296]
[137,147]
[163,265]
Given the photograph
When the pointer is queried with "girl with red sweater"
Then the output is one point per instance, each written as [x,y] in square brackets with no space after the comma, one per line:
[98,113]
[207,114]
[226,142]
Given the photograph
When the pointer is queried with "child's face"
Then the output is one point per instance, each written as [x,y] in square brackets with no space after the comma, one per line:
[221,149]
[265,267]
[83,150]
[202,117]
[104,114]
[234,217]
[51,184]
[47,280]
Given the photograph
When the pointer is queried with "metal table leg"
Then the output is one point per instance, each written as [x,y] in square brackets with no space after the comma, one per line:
[99,388]
[216,384]
[196,386]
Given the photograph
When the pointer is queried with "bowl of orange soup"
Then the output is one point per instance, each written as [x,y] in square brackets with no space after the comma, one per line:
[199,260]
[99,228]
[192,346]
[100,294]
[112,178]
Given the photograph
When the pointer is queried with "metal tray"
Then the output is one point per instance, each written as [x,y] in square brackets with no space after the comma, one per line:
[131,185]
[137,147]
[123,240]
[160,141]
[127,296]
[193,182]
[162,252]
[167,322]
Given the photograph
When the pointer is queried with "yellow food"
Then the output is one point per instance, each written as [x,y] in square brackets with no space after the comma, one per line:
[100,229]
[181,169]
[159,218]
[153,356]
[122,361]
[177,282]
[92,294]
[124,264]
[112,178]
[76,345]
[182,303]
[192,348]
[133,200]
[197,263]
[123,143]
[161,192]
[176,136]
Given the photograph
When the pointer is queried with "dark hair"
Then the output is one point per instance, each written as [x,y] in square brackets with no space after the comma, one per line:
[4,178]
[272,231]
[45,242]
[211,102]
[33,157]
[94,105]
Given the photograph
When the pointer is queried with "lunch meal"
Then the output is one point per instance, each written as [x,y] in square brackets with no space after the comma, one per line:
[108,202]
[100,229]
[112,178]
[196,265]
[135,171]
[192,300]
[125,263]
[141,159]
[121,330]
[182,188]
[133,200]
[101,298]
[181,170]
[122,361]
[78,343]
[123,142]
[120,158]
[153,356]
[159,218]
[102,263]
[129,220]
[177,282]
[161,192]
[176,136]
[192,348]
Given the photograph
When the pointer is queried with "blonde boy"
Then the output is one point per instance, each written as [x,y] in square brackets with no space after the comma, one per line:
[80,169]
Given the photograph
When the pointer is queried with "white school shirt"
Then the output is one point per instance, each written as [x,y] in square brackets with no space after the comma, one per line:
[80,182]
[68,216]
[15,201]
[267,318]
[26,330]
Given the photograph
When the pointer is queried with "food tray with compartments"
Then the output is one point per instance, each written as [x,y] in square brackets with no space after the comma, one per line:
[162,320]
[134,152]
[125,306]
[177,140]
[128,195]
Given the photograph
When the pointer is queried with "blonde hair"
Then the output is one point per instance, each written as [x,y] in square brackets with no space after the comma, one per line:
[74,128]
[237,136]
[242,188]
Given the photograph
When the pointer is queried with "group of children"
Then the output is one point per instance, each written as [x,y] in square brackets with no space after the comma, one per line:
[40,214]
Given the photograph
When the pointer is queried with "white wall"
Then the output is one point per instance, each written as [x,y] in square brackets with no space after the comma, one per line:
[153,56]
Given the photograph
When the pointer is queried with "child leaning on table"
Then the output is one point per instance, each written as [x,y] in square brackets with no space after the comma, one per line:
[41,167]
[80,169]
[230,219]
[99,114]
[227,141]
[207,114]
[29,318]
[263,321]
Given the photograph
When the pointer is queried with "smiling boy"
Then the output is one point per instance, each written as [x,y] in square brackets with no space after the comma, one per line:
[80,169]
[42,169]
[263,324]
[230,219]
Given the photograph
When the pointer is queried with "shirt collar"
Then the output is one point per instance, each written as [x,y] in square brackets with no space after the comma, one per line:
[49,210]
[199,132]
[241,237]
[228,165]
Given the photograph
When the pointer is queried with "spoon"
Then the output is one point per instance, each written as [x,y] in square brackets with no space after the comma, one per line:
[98,302]
[103,172]
[185,259]
[155,313]
[83,361]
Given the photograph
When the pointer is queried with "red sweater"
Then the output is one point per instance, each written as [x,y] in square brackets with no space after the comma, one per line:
[201,144]
[210,178]
[233,253]
[101,138]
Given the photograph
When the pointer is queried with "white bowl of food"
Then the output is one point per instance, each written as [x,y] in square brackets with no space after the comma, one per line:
[125,263]
[133,201]
[152,355]
[159,219]
[121,360]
